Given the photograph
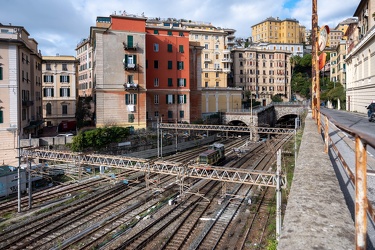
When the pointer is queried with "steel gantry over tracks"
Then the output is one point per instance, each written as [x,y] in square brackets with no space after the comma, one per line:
[226,128]
[180,170]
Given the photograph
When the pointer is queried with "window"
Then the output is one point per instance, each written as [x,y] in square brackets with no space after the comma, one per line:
[206,84]
[206,45]
[181,48]
[169,33]
[181,82]
[64,67]
[217,84]
[156,47]
[156,113]
[196,37]
[156,32]
[23,114]
[206,75]
[1,117]
[64,92]
[130,61]
[170,114]
[130,41]
[48,66]
[181,99]
[170,64]
[64,109]
[131,79]
[170,99]
[131,118]
[156,82]
[217,74]
[156,99]
[170,82]
[169,48]
[182,114]
[130,99]
[48,92]
[49,108]
[156,64]
[206,37]
[64,79]
[180,65]
[181,33]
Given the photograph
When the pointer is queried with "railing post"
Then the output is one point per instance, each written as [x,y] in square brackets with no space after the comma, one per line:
[326,139]
[360,194]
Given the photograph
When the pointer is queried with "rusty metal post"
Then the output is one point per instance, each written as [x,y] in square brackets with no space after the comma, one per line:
[326,138]
[360,194]
[315,66]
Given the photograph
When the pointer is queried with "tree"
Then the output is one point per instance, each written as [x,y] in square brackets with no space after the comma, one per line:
[83,112]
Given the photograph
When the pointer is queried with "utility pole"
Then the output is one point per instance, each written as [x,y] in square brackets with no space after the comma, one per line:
[315,93]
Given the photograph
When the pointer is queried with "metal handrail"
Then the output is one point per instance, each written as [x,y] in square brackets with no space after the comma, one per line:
[359,178]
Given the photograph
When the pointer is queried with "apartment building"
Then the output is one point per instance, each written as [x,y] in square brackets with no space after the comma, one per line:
[360,60]
[275,30]
[217,86]
[295,48]
[337,64]
[334,38]
[59,89]
[264,73]
[85,68]
[20,90]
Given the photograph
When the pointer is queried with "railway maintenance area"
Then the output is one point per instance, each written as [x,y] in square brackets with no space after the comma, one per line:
[174,203]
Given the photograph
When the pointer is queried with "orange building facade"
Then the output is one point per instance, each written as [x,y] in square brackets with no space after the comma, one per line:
[143,74]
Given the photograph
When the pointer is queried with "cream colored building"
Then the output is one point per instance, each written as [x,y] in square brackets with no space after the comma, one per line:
[275,30]
[20,90]
[360,60]
[59,89]
[85,68]
[264,73]
[338,65]
[334,38]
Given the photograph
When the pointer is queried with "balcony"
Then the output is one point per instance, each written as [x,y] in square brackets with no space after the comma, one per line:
[27,103]
[227,60]
[130,46]
[207,60]
[226,70]
[130,66]
[131,86]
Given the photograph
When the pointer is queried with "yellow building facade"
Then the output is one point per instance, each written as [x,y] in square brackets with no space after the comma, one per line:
[275,30]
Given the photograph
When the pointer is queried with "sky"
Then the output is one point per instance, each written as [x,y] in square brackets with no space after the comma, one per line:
[58,26]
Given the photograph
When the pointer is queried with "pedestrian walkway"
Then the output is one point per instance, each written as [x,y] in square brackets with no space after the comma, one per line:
[316,216]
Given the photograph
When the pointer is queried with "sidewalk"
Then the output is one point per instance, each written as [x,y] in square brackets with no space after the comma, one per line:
[316,216]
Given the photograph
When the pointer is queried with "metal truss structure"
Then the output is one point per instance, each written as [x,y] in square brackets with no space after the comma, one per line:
[181,171]
[226,128]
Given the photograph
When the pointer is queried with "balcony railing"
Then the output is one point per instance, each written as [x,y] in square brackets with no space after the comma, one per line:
[131,85]
[229,60]
[207,60]
[27,103]
[130,66]
[130,46]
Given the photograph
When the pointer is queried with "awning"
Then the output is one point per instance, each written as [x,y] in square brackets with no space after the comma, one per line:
[34,124]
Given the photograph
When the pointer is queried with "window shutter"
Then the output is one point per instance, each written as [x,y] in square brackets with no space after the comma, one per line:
[126,60]
[170,83]
[1,116]
[135,98]
[135,59]
[184,82]
[51,78]
[130,41]
[61,78]
[166,99]
[126,99]
[68,79]
[44,92]
[184,98]
[1,73]
[61,92]
[44,78]
[172,98]
[52,93]
[69,92]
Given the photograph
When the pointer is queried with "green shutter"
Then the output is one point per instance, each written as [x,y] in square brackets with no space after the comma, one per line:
[61,78]
[44,92]
[130,41]
[170,83]
[135,98]
[52,78]
[184,82]
[184,98]
[135,59]
[69,92]
[169,47]
[172,98]
[61,91]
[181,49]
[126,99]
[156,32]
[52,92]
[166,99]
[68,79]
[1,115]
[1,73]
[126,60]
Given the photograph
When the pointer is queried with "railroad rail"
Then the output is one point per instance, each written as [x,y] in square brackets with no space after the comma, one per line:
[181,170]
